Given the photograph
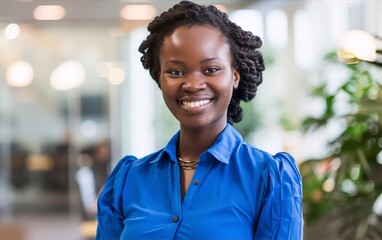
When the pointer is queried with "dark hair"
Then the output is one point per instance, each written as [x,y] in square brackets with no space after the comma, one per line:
[243,45]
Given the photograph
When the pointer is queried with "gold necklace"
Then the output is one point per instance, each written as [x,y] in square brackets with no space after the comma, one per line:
[187,165]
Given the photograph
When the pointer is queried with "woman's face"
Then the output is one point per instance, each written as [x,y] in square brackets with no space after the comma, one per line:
[196,76]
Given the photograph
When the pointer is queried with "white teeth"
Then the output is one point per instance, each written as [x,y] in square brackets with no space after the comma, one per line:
[195,104]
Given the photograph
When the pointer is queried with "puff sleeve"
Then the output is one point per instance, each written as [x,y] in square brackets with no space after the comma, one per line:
[281,212]
[109,215]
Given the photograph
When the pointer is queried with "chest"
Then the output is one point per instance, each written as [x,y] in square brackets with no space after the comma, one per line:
[218,204]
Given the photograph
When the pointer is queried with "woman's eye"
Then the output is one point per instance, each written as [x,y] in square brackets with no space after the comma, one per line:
[211,70]
[176,72]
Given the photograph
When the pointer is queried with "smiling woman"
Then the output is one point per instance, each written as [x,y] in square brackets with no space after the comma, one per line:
[197,83]
[207,183]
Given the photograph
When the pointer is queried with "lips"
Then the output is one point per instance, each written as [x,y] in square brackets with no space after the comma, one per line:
[194,104]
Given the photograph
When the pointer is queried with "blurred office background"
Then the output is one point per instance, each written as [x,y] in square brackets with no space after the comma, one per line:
[74,99]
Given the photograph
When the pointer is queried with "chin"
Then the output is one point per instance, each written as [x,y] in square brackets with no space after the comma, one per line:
[201,123]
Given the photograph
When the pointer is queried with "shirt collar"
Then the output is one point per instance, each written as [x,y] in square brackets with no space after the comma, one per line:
[222,149]
[225,144]
[170,149]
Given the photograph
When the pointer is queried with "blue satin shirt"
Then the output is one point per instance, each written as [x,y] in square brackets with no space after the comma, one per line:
[237,192]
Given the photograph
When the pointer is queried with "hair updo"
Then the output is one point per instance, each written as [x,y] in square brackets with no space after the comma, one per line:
[243,45]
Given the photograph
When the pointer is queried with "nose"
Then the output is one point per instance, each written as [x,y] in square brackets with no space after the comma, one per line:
[194,82]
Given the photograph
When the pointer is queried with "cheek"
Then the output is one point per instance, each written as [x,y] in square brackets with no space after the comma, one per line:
[166,95]
[168,91]
[228,95]
[227,89]
[168,100]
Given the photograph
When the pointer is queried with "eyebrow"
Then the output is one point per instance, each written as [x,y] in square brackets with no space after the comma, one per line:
[174,62]
[210,59]
[203,61]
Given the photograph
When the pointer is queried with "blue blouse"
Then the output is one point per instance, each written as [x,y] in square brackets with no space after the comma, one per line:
[237,192]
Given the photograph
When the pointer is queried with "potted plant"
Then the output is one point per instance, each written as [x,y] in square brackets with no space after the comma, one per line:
[342,191]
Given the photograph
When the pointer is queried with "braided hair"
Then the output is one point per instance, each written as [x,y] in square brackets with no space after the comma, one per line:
[243,45]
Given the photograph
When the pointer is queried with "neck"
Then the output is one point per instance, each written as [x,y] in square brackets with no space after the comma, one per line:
[193,142]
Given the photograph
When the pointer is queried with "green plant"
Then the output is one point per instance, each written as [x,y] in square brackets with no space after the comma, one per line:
[341,189]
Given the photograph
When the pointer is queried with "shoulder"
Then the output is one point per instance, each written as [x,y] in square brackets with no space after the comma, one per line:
[279,163]
[284,163]
[110,196]
[126,164]
[248,154]
[280,168]
[283,169]
[282,177]
[123,165]
[116,178]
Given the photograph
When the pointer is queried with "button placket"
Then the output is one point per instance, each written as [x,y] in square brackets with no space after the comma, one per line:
[176,199]
[175,219]
[199,175]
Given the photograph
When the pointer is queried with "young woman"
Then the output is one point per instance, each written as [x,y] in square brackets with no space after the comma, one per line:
[207,183]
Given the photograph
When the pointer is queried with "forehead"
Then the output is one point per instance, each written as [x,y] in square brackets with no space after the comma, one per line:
[192,39]
[198,31]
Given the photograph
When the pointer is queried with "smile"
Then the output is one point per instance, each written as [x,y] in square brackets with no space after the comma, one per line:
[195,103]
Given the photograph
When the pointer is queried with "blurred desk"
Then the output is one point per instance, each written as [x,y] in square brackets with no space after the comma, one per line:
[88,229]
[12,231]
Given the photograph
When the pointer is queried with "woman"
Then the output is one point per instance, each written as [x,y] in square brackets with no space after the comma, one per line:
[206,183]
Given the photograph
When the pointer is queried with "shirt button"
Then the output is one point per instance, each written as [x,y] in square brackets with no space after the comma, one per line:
[175,219]
[196,182]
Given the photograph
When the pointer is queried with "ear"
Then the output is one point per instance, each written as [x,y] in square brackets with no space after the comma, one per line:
[236,78]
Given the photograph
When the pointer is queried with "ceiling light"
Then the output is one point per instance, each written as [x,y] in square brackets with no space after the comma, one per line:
[49,12]
[68,75]
[12,31]
[19,74]
[116,76]
[138,12]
